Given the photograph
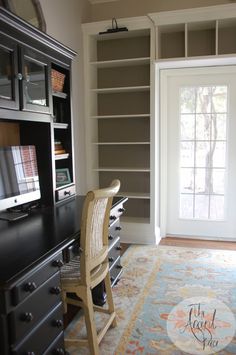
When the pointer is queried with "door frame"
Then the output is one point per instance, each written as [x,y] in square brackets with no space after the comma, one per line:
[163,70]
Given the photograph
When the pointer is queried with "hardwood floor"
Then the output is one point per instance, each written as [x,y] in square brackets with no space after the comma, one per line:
[196,243]
[191,243]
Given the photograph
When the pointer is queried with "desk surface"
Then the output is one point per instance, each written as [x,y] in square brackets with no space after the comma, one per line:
[26,243]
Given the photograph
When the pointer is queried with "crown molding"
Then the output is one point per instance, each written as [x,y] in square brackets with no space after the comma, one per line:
[194,14]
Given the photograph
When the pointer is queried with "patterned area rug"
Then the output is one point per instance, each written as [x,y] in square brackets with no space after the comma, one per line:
[156,279]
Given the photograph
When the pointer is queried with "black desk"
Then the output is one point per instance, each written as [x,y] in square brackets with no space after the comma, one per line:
[27,242]
[30,256]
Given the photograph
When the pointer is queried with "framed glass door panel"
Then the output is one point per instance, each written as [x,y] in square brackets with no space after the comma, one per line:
[9,91]
[35,83]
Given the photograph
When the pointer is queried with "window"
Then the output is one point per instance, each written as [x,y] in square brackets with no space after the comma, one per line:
[203,147]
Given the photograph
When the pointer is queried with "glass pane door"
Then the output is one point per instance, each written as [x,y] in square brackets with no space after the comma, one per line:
[200,146]
[35,83]
[9,97]
[203,122]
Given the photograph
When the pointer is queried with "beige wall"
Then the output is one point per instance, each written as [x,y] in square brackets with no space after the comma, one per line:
[129,8]
[63,20]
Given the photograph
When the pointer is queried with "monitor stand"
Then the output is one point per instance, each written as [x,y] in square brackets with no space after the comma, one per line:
[12,216]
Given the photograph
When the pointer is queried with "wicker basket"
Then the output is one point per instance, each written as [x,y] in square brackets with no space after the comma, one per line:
[57,80]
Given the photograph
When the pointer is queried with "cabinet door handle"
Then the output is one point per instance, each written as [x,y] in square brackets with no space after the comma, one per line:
[30,286]
[119,248]
[112,218]
[118,228]
[110,259]
[58,323]
[122,209]
[19,76]
[110,237]
[27,317]
[57,263]
[55,290]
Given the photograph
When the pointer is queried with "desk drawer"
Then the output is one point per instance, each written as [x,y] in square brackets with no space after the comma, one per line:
[38,341]
[57,347]
[114,231]
[27,314]
[65,193]
[114,252]
[30,284]
[115,272]
[116,212]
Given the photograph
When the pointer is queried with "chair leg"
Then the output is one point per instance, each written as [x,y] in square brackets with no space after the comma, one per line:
[90,324]
[110,302]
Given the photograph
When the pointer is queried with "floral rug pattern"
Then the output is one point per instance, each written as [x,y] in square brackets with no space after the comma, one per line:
[155,279]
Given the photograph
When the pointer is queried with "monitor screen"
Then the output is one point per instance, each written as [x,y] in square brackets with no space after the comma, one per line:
[19,180]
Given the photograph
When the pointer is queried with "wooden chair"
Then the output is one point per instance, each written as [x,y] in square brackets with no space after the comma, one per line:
[86,271]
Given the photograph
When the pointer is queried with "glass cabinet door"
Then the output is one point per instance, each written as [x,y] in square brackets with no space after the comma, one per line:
[9,93]
[35,82]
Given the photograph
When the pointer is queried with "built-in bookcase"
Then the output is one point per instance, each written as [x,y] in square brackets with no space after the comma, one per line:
[119,117]
[203,32]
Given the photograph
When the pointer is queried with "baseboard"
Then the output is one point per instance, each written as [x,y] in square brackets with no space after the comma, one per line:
[196,237]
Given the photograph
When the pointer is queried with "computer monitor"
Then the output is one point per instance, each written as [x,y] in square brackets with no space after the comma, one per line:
[19,179]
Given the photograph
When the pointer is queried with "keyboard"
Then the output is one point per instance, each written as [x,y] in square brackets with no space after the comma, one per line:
[12,216]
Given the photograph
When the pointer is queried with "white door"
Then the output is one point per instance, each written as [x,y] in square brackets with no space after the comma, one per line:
[200,152]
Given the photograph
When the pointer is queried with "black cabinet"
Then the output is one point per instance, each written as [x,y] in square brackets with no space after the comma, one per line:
[33,320]
[24,77]
[35,97]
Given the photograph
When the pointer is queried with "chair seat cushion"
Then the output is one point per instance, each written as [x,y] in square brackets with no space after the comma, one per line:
[71,270]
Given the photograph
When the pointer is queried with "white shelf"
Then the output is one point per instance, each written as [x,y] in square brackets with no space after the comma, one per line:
[122,89]
[136,195]
[122,143]
[121,62]
[136,170]
[138,115]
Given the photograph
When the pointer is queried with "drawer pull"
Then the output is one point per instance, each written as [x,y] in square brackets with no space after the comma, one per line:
[119,248]
[112,279]
[58,323]
[59,351]
[30,286]
[57,263]
[119,266]
[110,259]
[110,237]
[112,218]
[67,193]
[122,209]
[118,228]
[27,317]
[55,290]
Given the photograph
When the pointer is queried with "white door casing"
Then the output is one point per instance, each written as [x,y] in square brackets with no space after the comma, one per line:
[172,83]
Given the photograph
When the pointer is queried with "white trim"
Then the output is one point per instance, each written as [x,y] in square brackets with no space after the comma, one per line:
[162,72]
[194,14]
[231,239]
